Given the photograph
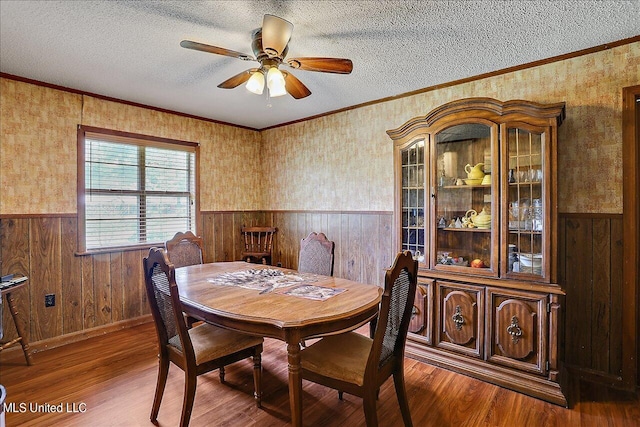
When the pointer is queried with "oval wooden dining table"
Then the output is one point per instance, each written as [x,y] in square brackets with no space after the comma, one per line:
[272,313]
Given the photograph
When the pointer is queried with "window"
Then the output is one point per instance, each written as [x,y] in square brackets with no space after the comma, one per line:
[133,190]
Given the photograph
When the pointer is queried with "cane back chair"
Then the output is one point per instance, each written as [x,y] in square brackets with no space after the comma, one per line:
[196,351]
[359,365]
[184,249]
[316,255]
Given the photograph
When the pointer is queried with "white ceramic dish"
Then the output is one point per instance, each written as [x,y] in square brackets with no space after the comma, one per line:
[531,260]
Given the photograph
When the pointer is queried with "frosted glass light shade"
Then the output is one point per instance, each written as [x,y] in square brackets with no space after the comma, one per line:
[275,83]
[256,83]
[276,33]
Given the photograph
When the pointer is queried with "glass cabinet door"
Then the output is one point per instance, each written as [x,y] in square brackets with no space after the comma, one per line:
[412,199]
[526,199]
[464,194]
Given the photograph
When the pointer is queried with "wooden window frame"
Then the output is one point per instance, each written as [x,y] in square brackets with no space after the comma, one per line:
[110,135]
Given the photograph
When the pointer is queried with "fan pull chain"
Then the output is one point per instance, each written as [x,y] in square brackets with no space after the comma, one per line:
[268,99]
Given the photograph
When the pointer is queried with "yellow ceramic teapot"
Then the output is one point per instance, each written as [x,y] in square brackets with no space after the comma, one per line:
[480,220]
[475,172]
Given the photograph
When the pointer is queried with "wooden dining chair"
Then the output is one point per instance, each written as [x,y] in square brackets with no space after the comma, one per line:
[258,242]
[316,255]
[196,351]
[184,249]
[359,365]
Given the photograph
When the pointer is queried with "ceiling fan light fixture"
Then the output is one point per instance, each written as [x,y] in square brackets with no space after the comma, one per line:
[275,83]
[270,45]
[256,83]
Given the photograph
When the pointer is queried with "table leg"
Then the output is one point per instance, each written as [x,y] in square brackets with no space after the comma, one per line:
[21,336]
[295,382]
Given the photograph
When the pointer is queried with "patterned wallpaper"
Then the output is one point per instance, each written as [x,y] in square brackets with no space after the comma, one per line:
[38,149]
[345,161]
[339,162]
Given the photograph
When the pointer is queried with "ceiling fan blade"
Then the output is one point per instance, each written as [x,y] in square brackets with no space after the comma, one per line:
[238,79]
[295,87]
[323,65]
[215,49]
[276,33]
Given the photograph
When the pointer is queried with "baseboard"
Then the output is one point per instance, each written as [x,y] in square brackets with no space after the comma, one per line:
[597,377]
[70,338]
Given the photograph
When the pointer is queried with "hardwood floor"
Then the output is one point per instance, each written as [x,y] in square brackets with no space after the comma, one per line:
[110,380]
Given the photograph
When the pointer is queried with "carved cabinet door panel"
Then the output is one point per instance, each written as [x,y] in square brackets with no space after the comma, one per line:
[422,315]
[518,329]
[459,318]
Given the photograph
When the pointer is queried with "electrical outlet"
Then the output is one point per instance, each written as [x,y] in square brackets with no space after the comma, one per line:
[50,300]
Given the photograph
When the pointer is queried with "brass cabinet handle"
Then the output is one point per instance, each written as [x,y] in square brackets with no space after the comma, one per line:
[457,318]
[514,330]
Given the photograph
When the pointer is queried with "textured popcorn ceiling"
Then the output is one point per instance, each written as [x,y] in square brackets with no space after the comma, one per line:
[130,49]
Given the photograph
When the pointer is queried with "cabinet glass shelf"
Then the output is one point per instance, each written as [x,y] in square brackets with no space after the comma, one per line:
[466,230]
[466,186]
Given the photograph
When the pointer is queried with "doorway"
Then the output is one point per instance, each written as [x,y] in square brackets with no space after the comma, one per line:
[631,245]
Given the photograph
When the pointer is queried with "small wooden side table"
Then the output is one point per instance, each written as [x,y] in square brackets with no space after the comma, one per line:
[22,339]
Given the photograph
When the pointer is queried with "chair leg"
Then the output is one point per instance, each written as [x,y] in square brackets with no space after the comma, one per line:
[190,321]
[340,395]
[221,372]
[257,378]
[190,382]
[163,371]
[369,405]
[373,324]
[401,392]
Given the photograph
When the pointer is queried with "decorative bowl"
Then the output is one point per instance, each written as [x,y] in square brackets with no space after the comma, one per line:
[473,181]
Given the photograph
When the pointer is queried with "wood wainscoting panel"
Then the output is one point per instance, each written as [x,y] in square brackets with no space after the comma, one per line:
[135,297]
[45,276]
[285,242]
[101,289]
[118,287]
[71,271]
[220,232]
[352,246]
[14,254]
[90,291]
[590,270]
[363,241]
[88,299]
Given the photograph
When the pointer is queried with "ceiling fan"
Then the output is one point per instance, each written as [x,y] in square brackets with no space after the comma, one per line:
[270,45]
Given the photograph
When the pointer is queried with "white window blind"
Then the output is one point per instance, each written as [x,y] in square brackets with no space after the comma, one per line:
[136,192]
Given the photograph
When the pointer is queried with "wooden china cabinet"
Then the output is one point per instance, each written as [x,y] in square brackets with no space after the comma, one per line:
[475,202]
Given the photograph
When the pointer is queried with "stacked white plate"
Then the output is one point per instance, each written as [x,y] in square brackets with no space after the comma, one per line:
[531,263]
